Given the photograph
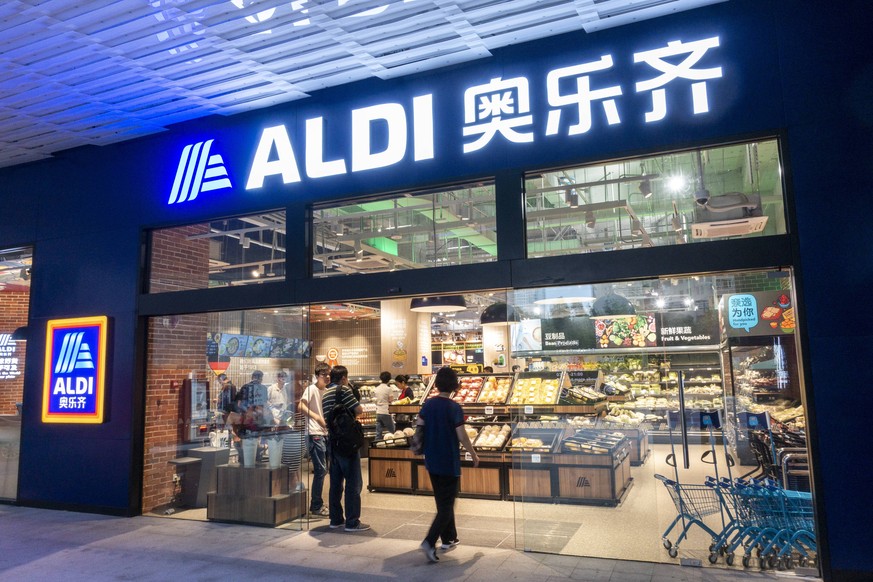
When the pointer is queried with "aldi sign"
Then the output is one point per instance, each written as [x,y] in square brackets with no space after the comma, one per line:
[75,370]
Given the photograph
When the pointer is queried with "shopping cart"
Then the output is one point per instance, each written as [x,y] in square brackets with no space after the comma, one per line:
[693,502]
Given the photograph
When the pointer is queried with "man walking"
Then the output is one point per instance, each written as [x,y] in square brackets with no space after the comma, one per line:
[443,421]
[310,406]
[343,469]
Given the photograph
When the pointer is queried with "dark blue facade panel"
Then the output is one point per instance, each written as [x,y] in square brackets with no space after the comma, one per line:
[801,70]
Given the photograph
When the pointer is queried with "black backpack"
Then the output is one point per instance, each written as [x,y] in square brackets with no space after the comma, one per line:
[346,433]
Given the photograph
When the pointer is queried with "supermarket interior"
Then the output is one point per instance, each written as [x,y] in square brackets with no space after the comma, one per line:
[587,404]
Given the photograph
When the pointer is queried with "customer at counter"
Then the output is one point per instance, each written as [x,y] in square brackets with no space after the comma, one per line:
[384,395]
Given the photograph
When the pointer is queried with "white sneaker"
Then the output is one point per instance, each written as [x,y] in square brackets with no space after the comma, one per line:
[429,551]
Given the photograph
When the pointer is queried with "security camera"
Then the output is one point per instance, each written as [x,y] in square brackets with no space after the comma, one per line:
[701,196]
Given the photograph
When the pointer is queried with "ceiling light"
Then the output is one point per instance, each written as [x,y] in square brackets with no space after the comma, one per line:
[571,198]
[646,188]
[438,304]
[611,305]
[677,183]
[590,219]
[498,314]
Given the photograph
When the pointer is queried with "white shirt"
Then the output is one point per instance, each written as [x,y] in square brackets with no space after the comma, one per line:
[277,402]
[312,397]
[384,395]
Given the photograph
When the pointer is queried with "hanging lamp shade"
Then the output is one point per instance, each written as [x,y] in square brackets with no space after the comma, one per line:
[438,304]
[498,314]
[611,305]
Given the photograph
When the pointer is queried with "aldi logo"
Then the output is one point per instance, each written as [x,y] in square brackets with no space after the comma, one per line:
[198,171]
[75,370]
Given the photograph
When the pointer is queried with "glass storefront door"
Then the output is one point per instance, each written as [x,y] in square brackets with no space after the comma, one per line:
[632,395]
[222,394]
[15,269]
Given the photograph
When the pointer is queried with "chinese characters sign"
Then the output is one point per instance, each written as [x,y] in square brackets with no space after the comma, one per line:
[75,370]
[8,360]
[671,81]
[756,314]
[502,106]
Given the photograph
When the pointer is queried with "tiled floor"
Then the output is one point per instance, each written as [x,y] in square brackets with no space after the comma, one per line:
[57,545]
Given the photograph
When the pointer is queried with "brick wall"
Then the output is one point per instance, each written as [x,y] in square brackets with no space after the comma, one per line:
[178,263]
[13,314]
[175,348]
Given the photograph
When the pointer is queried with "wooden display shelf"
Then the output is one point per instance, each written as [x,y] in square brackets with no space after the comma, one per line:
[391,470]
[255,496]
[505,409]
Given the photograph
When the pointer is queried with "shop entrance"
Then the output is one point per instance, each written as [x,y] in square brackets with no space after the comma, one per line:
[599,411]
[15,270]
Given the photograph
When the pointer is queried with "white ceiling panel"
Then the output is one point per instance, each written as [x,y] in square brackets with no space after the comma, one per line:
[76,73]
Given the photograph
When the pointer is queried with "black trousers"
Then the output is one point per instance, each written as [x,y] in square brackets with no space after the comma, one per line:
[445,490]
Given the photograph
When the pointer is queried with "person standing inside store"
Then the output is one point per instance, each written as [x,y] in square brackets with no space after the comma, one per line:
[384,394]
[343,469]
[443,421]
[310,407]
[226,397]
[402,382]
[253,415]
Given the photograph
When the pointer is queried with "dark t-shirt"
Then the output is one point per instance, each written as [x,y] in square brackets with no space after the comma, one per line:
[441,446]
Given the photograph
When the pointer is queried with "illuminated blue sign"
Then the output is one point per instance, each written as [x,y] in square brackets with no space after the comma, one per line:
[75,370]
[565,102]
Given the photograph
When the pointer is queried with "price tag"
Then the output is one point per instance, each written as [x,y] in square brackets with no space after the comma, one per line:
[489,410]
[535,458]
[528,409]
[468,457]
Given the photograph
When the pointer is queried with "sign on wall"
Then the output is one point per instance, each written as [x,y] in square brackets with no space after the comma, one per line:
[8,360]
[75,370]
[756,314]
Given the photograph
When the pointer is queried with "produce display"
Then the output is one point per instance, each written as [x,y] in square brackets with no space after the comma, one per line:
[581,395]
[492,437]
[394,440]
[495,390]
[536,440]
[468,389]
[534,391]
[591,441]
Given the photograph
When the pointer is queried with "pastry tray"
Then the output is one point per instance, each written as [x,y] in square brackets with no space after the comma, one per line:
[549,438]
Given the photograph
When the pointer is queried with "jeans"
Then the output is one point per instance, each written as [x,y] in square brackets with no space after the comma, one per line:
[346,469]
[445,490]
[384,421]
[318,456]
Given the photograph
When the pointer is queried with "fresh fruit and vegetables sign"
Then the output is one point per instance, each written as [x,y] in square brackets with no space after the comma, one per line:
[634,331]
[756,314]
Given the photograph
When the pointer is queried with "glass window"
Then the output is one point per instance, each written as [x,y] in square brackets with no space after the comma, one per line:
[15,270]
[410,231]
[692,196]
[222,393]
[233,251]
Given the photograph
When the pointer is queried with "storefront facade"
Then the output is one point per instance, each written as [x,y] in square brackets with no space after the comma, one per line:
[734,73]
